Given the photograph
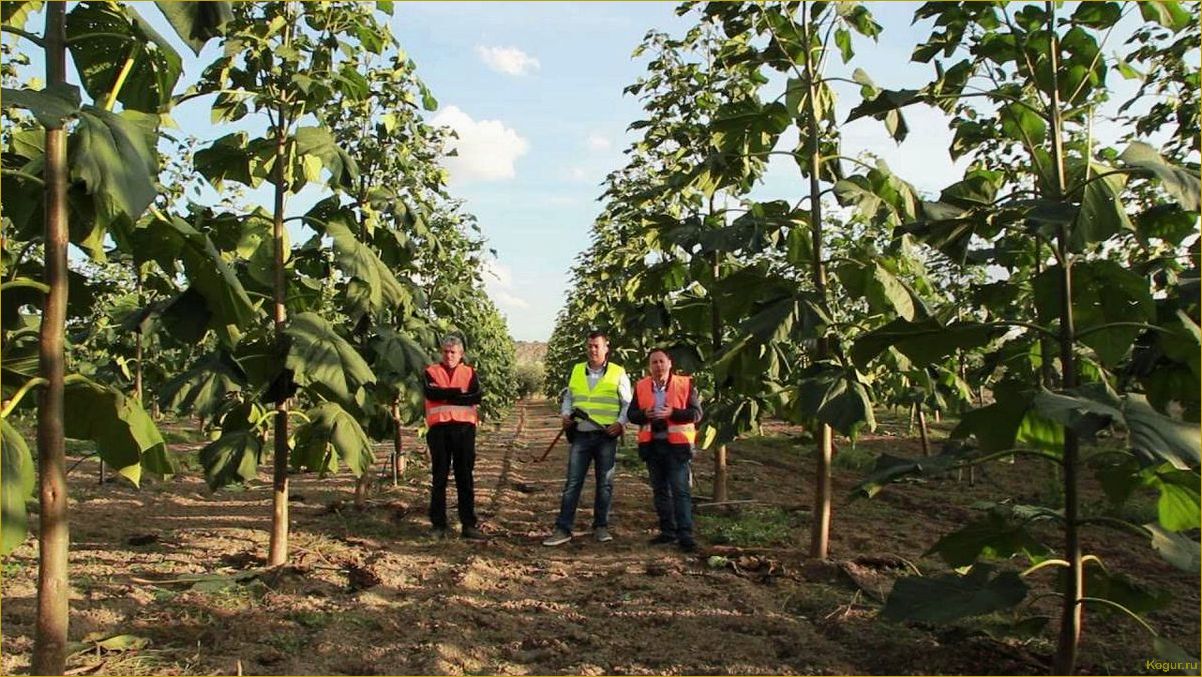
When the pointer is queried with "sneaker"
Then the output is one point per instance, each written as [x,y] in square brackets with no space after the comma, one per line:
[688,545]
[601,535]
[473,534]
[662,539]
[558,537]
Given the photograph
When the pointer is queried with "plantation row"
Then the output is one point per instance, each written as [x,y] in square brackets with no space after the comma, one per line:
[315,347]
[1049,298]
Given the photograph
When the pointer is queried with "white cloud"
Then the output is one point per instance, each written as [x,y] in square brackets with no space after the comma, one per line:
[507,60]
[578,174]
[498,281]
[598,142]
[487,148]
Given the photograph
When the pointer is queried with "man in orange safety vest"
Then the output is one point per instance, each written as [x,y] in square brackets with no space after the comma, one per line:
[666,407]
[452,392]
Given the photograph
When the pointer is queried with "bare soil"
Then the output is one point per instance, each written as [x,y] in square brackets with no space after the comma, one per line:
[369,591]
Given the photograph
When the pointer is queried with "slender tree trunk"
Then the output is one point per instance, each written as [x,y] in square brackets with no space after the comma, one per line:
[278,547]
[1046,374]
[922,429]
[50,640]
[1072,610]
[398,446]
[820,533]
[720,477]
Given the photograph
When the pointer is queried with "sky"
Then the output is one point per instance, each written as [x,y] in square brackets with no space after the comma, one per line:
[534,90]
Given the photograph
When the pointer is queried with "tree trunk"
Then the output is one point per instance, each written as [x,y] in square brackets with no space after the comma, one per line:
[1072,609]
[720,482]
[922,429]
[820,533]
[278,547]
[398,446]
[50,639]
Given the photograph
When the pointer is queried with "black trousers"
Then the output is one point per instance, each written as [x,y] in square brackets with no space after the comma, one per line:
[452,446]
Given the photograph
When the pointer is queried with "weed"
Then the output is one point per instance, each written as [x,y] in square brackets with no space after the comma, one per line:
[854,458]
[313,620]
[11,567]
[751,527]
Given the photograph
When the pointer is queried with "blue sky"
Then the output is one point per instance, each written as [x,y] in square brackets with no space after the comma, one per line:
[535,91]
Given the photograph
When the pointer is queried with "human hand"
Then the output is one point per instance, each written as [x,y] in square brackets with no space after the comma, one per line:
[662,412]
[567,422]
[615,429]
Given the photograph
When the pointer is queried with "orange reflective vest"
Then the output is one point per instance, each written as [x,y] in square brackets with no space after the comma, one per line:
[444,412]
[677,397]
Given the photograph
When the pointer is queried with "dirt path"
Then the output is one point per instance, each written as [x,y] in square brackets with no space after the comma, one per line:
[370,592]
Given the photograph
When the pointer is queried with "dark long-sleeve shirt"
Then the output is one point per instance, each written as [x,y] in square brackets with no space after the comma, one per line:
[454,395]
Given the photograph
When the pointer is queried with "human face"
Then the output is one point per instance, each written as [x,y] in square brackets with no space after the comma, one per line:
[660,364]
[452,354]
[598,350]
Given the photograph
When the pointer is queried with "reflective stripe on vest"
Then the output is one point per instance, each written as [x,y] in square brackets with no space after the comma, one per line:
[676,397]
[602,402]
[441,411]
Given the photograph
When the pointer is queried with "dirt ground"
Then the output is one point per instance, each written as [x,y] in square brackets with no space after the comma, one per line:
[370,592]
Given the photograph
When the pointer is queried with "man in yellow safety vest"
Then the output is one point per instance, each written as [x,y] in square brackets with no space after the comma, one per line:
[601,390]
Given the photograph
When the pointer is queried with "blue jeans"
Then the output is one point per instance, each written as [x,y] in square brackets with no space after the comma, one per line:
[601,450]
[669,475]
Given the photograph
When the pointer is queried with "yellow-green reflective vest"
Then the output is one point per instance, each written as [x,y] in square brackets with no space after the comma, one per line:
[602,402]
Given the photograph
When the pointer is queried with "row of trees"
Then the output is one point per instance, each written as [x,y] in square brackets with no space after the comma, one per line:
[1059,274]
[314,346]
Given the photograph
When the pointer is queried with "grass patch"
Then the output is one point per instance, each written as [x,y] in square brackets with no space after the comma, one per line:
[313,620]
[757,526]
[854,458]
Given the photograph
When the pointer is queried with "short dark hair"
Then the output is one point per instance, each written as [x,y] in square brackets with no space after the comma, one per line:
[660,350]
[597,333]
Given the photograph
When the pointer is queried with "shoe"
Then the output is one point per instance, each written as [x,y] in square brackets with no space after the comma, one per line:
[662,539]
[687,545]
[601,535]
[558,537]
[473,534]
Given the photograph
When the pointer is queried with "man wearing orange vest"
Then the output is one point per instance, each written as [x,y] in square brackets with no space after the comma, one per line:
[452,393]
[666,408]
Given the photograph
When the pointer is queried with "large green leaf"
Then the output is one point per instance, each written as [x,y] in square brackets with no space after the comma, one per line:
[1010,423]
[1103,293]
[167,241]
[319,143]
[15,12]
[16,486]
[109,40]
[233,158]
[379,288]
[1120,589]
[835,397]
[332,435]
[924,342]
[231,458]
[203,389]
[126,437]
[196,22]
[1000,534]
[1183,185]
[51,106]
[1156,437]
[950,597]
[1179,550]
[1102,213]
[115,158]
[1178,507]
[322,360]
